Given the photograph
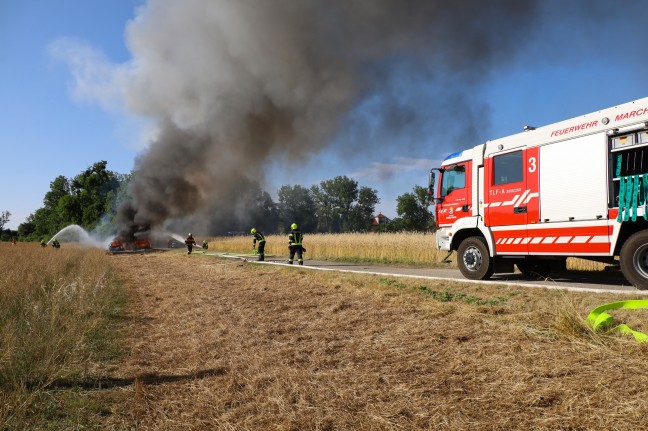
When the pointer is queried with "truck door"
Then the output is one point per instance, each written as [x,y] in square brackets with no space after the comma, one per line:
[511,195]
[455,194]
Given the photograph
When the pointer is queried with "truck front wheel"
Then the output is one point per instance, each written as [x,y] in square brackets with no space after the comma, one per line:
[474,260]
[634,259]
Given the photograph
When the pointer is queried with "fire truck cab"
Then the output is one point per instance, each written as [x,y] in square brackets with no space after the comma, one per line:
[576,188]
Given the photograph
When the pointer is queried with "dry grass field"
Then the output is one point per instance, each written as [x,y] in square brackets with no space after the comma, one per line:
[407,248]
[410,248]
[60,314]
[217,344]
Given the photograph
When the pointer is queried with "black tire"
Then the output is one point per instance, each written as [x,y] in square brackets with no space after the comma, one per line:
[474,260]
[634,260]
[535,268]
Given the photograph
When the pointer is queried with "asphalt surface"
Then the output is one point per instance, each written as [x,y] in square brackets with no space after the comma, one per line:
[612,281]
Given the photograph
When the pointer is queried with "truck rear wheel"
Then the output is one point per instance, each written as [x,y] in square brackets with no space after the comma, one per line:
[474,260]
[634,259]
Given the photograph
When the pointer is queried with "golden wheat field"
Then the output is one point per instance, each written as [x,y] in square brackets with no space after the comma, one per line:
[170,341]
[404,248]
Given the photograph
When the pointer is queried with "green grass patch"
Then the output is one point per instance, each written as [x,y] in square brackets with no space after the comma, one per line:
[448,295]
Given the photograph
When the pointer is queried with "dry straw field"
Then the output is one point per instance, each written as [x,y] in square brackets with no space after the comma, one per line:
[203,343]
[59,322]
[402,248]
[407,248]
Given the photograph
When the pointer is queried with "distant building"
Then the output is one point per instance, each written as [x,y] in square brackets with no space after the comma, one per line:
[379,220]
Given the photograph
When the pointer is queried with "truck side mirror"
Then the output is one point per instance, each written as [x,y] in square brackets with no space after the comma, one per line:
[431,184]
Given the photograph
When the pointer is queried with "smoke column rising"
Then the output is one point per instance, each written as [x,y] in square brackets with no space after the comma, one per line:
[233,85]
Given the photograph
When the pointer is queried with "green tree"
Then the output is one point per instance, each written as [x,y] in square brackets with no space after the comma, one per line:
[68,211]
[26,229]
[81,201]
[363,210]
[43,222]
[395,225]
[4,219]
[59,188]
[324,209]
[91,190]
[54,215]
[344,192]
[342,206]
[50,218]
[412,209]
[296,205]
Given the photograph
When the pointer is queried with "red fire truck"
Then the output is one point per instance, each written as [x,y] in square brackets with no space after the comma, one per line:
[574,188]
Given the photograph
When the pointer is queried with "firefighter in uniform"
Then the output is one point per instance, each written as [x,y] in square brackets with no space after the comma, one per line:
[43,243]
[205,245]
[295,238]
[258,236]
[190,242]
[56,243]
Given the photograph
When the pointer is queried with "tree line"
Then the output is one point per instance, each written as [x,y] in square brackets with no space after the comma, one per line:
[337,205]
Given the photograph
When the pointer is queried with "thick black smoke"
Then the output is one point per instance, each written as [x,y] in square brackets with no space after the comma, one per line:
[234,85]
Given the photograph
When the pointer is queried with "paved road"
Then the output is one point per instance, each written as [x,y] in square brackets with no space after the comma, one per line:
[606,282]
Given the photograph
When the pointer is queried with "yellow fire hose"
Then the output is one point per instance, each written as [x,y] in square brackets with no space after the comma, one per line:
[599,319]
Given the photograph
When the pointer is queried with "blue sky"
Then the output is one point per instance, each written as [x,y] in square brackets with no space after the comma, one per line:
[569,68]
[43,132]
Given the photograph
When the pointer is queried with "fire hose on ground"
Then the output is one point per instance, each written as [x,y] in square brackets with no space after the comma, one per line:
[600,320]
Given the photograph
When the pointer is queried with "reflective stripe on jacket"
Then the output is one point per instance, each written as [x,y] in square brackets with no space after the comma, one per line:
[295,237]
[258,236]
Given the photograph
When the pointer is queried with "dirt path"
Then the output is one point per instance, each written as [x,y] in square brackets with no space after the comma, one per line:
[220,345]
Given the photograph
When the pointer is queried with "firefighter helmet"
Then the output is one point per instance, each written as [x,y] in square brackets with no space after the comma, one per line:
[253,230]
[293,226]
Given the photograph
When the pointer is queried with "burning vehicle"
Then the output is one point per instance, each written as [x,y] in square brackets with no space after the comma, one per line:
[137,244]
[144,241]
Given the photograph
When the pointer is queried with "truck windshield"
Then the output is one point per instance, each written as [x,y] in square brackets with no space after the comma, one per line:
[452,180]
